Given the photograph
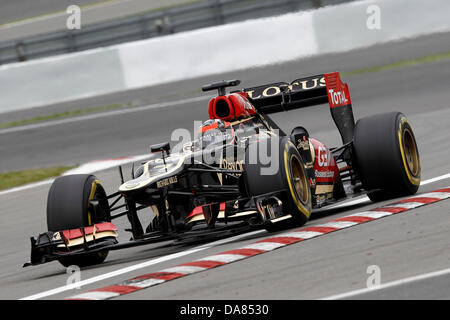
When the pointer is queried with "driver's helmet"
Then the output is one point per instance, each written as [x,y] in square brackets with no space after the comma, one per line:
[216,131]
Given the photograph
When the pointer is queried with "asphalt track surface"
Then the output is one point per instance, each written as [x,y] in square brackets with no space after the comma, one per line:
[403,245]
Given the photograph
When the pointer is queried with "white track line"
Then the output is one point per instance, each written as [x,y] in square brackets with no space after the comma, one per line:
[27,186]
[102,115]
[264,245]
[138,266]
[261,246]
[389,285]
[162,259]
[445,176]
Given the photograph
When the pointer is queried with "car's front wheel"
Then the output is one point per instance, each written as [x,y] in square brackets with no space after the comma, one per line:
[69,207]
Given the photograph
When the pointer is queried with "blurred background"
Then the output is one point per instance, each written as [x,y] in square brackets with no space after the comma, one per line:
[31,29]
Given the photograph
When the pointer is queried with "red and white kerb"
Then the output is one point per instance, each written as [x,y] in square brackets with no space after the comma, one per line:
[261,246]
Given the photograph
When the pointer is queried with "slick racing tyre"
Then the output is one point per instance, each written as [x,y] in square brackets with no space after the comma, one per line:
[68,207]
[290,175]
[387,156]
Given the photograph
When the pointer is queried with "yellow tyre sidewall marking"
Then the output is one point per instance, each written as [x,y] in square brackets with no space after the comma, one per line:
[91,196]
[95,183]
[414,180]
[300,206]
[103,254]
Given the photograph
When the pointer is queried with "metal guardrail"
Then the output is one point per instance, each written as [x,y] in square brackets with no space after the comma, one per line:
[177,19]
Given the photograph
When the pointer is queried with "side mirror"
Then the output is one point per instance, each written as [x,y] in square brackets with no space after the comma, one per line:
[165,146]
[220,86]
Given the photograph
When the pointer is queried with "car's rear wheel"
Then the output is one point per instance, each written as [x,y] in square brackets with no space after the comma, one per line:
[69,207]
[291,176]
[387,156]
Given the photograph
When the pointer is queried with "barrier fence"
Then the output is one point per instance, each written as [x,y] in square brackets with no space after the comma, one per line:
[158,23]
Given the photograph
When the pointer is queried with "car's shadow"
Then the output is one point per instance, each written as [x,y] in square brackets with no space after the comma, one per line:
[332,211]
[171,247]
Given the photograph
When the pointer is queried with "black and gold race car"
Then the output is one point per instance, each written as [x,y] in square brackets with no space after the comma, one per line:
[242,172]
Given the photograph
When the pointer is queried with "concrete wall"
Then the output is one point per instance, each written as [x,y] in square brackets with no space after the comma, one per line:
[63,78]
[213,50]
[218,49]
[343,28]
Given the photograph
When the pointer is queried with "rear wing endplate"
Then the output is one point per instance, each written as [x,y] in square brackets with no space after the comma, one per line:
[306,92]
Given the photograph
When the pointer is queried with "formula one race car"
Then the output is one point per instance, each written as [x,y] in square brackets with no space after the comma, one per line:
[242,172]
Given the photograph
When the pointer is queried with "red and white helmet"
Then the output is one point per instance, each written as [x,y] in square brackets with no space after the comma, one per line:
[216,131]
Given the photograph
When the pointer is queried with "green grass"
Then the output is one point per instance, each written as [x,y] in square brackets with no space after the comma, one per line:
[59,115]
[17,178]
[401,64]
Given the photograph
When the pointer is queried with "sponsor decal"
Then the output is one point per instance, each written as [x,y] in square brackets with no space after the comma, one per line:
[322,155]
[337,91]
[324,174]
[232,165]
[338,97]
[298,85]
[167,181]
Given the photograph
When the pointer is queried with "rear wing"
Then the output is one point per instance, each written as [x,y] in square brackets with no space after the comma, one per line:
[306,92]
